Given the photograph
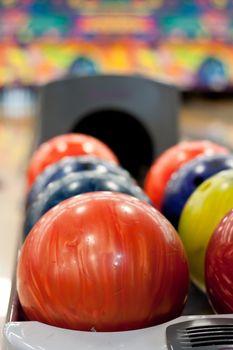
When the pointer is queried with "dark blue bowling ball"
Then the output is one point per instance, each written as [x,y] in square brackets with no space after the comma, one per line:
[72,165]
[185,181]
[75,184]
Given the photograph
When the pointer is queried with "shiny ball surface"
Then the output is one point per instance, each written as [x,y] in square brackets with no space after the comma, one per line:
[187,179]
[202,213]
[170,161]
[105,262]
[218,266]
[66,145]
[70,165]
[75,184]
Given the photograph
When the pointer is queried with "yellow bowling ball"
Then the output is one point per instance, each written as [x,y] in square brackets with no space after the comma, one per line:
[201,214]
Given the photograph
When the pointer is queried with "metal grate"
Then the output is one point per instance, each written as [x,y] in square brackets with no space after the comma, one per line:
[207,334]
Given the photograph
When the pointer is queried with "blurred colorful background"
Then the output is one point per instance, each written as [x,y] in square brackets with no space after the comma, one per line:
[185,42]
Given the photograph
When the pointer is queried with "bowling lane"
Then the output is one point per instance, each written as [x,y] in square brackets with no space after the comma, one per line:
[15,138]
[210,118]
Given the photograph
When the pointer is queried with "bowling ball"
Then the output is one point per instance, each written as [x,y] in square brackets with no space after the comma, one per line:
[218,266]
[202,213]
[66,145]
[78,183]
[185,181]
[82,66]
[172,160]
[69,165]
[213,74]
[102,261]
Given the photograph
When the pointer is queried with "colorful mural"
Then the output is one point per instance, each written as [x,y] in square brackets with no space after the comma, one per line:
[186,42]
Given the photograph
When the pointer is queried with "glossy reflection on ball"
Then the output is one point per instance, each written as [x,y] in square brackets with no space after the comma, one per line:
[102,261]
[66,145]
[78,183]
[186,180]
[70,165]
[202,213]
[218,266]
[170,161]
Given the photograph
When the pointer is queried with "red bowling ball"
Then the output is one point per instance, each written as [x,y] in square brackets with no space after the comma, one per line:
[104,262]
[172,160]
[219,266]
[66,145]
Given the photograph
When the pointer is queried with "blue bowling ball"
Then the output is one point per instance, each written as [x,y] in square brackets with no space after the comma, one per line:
[72,165]
[75,184]
[213,74]
[185,181]
[82,66]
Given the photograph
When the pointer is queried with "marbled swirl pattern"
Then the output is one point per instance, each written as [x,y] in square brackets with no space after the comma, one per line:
[102,261]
